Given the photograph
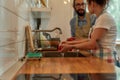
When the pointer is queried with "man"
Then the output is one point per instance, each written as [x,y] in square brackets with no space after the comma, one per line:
[80,26]
[82,21]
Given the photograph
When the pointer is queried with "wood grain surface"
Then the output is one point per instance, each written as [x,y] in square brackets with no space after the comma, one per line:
[66,65]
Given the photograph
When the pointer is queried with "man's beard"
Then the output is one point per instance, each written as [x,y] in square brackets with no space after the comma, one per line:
[80,13]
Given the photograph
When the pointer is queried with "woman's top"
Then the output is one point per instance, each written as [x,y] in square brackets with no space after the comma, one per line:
[106,21]
[107,42]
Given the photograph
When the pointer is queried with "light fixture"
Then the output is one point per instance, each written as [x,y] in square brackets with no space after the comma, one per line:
[69,1]
[66,1]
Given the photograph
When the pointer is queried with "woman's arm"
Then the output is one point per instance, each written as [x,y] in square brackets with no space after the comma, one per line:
[78,41]
[91,44]
[96,35]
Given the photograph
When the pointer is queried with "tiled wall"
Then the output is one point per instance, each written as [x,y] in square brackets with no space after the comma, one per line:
[13,19]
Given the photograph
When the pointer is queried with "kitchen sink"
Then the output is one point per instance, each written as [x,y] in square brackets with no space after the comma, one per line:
[60,54]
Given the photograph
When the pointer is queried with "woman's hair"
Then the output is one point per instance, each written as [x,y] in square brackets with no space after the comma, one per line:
[99,2]
[73,3]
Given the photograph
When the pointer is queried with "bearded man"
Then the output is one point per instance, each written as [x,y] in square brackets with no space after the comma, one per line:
[82,20]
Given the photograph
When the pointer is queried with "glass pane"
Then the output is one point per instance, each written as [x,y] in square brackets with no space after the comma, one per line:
[114,9]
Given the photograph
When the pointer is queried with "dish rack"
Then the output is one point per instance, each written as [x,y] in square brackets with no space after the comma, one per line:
[34,42]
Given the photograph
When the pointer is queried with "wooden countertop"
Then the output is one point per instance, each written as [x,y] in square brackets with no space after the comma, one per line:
[66,65]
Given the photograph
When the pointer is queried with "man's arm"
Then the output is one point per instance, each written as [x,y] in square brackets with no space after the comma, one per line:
[72,26]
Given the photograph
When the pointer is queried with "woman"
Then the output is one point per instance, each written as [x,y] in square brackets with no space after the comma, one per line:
[102,36]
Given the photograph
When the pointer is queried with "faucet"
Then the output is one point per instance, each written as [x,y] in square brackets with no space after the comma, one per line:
[60,31]
[39,41]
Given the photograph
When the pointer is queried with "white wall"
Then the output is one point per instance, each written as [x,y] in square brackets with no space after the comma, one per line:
[60,16]
[13,19]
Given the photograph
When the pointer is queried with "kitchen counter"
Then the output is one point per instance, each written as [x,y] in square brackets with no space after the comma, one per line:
[66,66]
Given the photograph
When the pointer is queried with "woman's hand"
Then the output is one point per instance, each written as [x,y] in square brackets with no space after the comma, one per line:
[60,45]
[66,47]
[71,39]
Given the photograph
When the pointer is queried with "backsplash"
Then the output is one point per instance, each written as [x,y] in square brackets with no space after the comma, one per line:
[14,16]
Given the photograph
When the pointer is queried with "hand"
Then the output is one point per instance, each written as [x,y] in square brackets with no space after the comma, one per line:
[71,39]
[60,45]
[66,48]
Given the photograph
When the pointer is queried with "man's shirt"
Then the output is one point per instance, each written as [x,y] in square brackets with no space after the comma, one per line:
[81,23]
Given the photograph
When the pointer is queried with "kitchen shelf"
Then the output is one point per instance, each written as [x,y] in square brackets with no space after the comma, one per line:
[42,14]
[40,9]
